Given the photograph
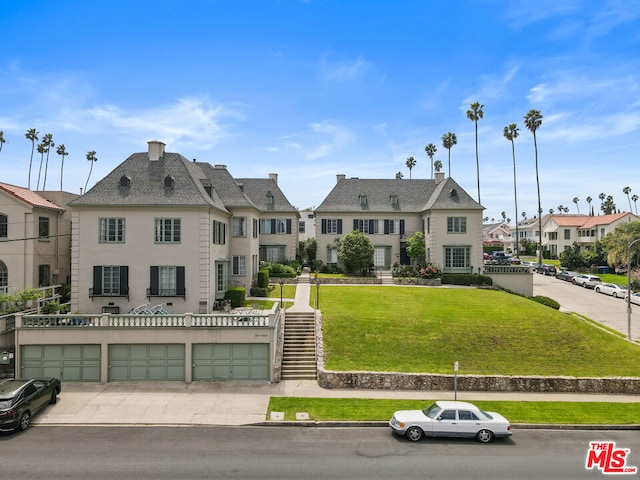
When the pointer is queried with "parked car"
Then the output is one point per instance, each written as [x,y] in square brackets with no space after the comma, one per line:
[566,275]
[545,269]
[635,298]
[586,281]
[499,258]
[616,291]
[527,263]
[450,419]
[21,399]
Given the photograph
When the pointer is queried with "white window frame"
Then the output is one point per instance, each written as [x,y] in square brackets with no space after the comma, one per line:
[456,224]
[168,230]
[239,226]
[112,230]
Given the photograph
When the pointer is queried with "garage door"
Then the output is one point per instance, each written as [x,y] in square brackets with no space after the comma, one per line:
[135,362]
[70,363]
[231,361]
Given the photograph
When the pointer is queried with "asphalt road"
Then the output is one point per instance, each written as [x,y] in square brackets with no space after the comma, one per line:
[296,452]
[604,309]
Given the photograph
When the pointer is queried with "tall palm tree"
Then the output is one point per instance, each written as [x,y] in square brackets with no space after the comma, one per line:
[533,120]
[524,215]
[474,114]
[437,165]
[47,139]
[430,150]
[2,140]
[91,156]
[62,151]
[560,209]
[449,139]
[511,133]
[627,191]
[576,200]
[601,196]
[411,162]
[32,135]
[589,200]
[634,197]
[42,149]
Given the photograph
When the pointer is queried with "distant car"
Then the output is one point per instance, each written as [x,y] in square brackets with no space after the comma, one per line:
[586,281]
[545,269]
[486,256]
[635,298]
[616,291]
[527,263]
[515,261]
[566,275]
[450,419]
[21,399]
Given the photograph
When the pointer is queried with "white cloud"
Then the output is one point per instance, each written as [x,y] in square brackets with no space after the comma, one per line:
[342,70]
[323,139]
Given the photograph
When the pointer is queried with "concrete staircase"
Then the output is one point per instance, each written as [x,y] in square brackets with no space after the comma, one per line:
[299,350]
[386,277]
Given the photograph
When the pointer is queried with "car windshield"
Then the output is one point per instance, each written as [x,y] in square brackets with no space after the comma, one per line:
[432,411]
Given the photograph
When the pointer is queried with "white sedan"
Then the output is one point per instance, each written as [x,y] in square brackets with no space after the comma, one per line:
[616,291]
[635,298]
[450,419]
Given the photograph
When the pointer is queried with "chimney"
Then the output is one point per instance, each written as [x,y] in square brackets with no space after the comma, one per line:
[439,177]
[340,176]
[274,177]
[156,150]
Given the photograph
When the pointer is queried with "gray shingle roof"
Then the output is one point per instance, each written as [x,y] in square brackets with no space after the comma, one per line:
[225,186]
[257,190]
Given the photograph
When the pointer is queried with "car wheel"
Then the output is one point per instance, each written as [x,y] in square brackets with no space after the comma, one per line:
[25,419]
[414,434]
[584,285]
[54,397]
[615,295]
[484,436]
[597,290]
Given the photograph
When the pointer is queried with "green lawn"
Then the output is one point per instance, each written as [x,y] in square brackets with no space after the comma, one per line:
[409,329]
[362,409]
[288,291]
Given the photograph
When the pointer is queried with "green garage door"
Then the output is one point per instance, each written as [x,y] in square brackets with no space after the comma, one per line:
[135,362]
[70,363]
[231,361]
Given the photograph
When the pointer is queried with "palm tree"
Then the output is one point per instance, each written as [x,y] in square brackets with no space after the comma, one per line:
[533,120]
[589,200]
[411,162]
[626,191]
[474,114]
[47,139]
[2,140]
[32,135]
[91,156]
[576,200]
[449,139]
[601,197]
[524,215]
[634,197]
[62,151]
[430,150]
[511,133]
[399,175]
[42,149]
[608,206]
[560,209]
[437,165]
[551,211]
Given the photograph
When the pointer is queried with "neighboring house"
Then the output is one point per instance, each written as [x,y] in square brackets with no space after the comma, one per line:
[306,225]
[391,210]
[498,234]
[528,230]
[34,238]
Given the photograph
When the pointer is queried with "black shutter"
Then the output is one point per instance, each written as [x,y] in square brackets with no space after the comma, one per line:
[288,226]
[273,226]
[154,281]
[355,224]
[97,280]
[401,227]
[180,289]
[386,227]
[339,226]
[372,227]
[124,280]
[324,225]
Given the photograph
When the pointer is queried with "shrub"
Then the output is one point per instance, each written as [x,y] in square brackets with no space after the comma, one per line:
[263,280]
[259,292]
[466,279]
[236,295]
[549,302]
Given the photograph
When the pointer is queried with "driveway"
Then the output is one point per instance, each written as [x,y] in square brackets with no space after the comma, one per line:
[604,309]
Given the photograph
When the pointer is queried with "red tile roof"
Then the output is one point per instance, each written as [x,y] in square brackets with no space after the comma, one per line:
[604,219]
[29,197]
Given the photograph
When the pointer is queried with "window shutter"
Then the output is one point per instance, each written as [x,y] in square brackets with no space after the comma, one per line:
[180,287]
[401,227]
[355,224]
[372,227]
[154,281]
[386,227]
[324,225]
[124,280]
[273,226]
[340,226]
[97,280]
[289,226]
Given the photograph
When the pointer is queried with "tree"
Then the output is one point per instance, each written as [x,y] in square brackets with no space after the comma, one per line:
[399,175]
[634,197]
[617,244]
[626,191]
[91,156]
[2,140]
[61,150]
[32,135]
[524,215]
[474,114]
[601,196]
[437,165]
[308,250]
[533,120]
[576,200]
[47,139]
[608,206]
[430,150]
[411,162]
[416,248]
[503,214]
[589,200]
[449,139]
[551,210]
[356,252]
[511,133]
[42,148]
[560,209]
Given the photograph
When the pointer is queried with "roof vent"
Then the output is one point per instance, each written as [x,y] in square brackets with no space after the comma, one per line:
[169,182]
[125,181]
[453,192]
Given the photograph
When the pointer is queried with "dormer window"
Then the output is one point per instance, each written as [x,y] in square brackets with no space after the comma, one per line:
[269,198]
[453,193]
[362,199]
[169,181]
[125,181]
[393,199]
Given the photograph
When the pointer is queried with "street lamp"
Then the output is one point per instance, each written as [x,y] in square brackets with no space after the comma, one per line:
[629,287]
[281,284]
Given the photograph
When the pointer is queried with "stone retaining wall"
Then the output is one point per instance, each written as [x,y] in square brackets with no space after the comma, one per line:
[429,282]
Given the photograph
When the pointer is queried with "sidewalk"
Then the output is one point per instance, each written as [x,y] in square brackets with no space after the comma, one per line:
[236,402]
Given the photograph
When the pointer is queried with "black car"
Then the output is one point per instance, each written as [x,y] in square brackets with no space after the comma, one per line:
[21,399]
[566,275]
[545,269]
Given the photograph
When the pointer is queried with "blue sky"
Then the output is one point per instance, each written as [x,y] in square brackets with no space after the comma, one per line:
[312,89]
